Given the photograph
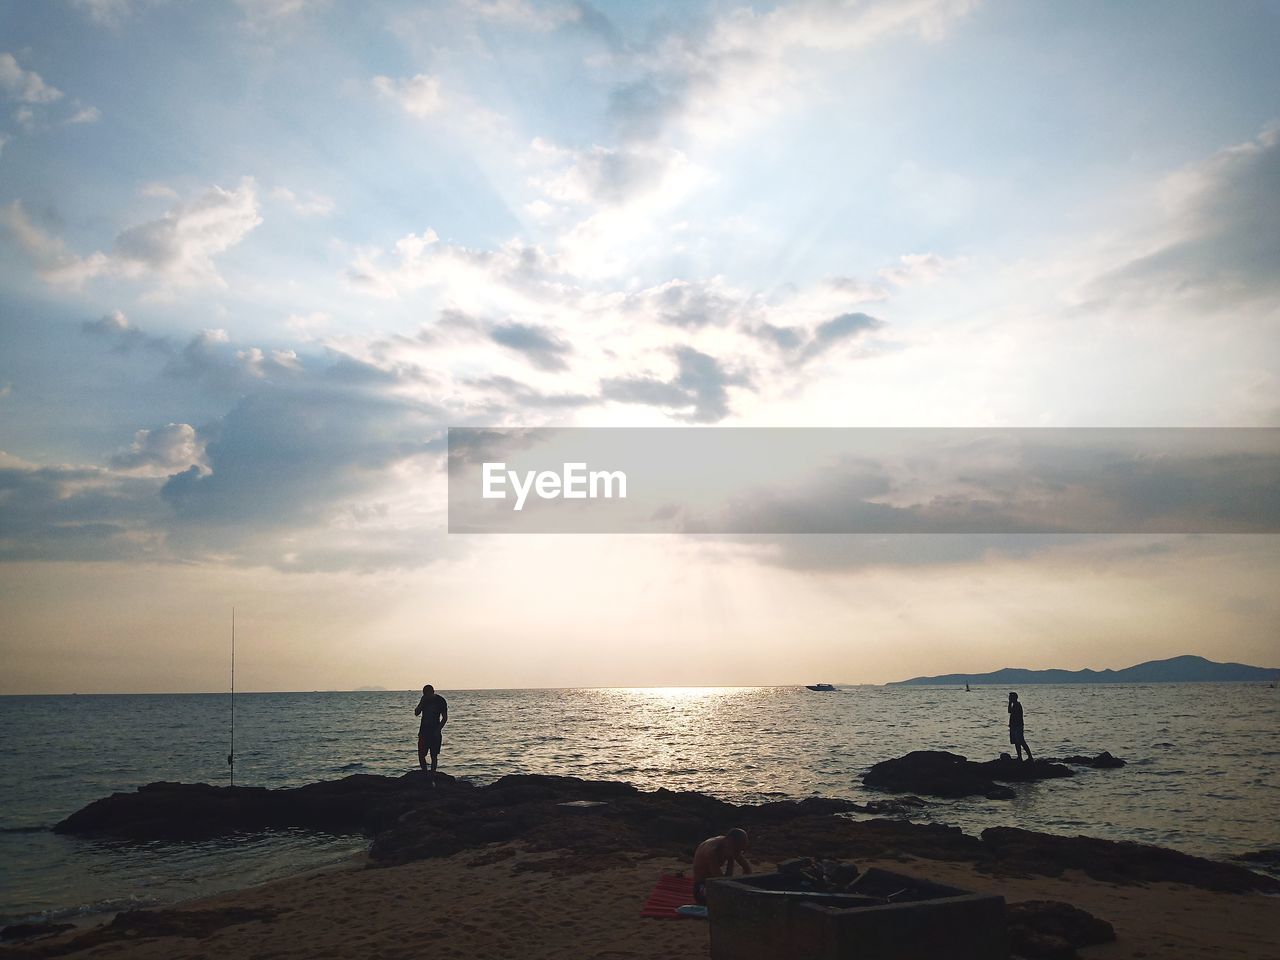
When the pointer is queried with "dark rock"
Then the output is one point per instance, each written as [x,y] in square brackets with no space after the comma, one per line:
[1050,929]
[1266,858]
[30,931]
[894,807]
[941,774]
[1103,761]
[412,820]
[362,803]
[935,773]
[809,806]
[1008,769]
[1015,850]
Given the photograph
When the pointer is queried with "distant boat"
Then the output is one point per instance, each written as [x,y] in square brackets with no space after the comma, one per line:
[821,687]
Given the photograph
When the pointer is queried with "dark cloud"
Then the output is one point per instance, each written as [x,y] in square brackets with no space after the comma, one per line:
[1225,244]
[538,345]
[77,513]
[802,345]
[124,336]
[837,329]
[289,476]
[698,390]
[690,305]
[285,454]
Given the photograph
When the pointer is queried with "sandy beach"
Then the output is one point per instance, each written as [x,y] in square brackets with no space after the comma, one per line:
[506,901]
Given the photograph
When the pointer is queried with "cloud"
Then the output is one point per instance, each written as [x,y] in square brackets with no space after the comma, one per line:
[847,326]
[124,336]
[697,393]
[539,345]
[174,250]
[337,469]
[68,512]
[85,115]
[993,483]
[913,268]
[418,95]
[109,12]
[24,86]
[268,14]
[512,393]
[161,451]
[690,305]
[158,190]
[684,92]
[313,205]
[522,13]
[207,359]
[607,176]
[800,344]
[471,279]
[332,464]
[1218,239]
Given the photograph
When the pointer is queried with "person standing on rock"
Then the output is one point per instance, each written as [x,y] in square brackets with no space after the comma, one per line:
[1016,735]
[435,714]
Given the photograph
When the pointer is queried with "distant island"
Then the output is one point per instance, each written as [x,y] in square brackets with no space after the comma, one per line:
[370,689]
[1186,669]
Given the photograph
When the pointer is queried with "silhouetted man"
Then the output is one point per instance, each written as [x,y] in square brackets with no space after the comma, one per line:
[1016,736]
[716,857]
[435,714]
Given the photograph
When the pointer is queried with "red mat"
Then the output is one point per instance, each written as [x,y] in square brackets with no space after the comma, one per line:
[668,893]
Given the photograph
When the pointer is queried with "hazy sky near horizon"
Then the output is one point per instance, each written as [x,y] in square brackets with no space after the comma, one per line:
[257,256]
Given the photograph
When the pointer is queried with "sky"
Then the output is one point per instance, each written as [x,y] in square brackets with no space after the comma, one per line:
[256,257]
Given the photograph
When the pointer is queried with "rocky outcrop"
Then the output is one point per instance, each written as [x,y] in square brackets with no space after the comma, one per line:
[362,803]
[32,931]
[1268,860]
[1115,861]
[1052,930]
[411,820]
[940,774]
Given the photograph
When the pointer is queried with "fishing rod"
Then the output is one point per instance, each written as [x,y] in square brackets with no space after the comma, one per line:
[231,757]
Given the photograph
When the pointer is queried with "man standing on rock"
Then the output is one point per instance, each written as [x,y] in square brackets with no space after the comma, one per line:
[1016,736]
[435,714]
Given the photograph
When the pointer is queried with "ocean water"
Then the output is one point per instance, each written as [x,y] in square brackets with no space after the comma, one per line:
[1202,774]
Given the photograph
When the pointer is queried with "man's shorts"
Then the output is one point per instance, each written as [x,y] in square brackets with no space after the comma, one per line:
[1015,735]
[429,742]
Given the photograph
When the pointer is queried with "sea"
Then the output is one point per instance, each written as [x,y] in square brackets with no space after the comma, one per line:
[1201,775]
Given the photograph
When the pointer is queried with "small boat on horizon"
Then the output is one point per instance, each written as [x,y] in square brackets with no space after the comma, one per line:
[821,687]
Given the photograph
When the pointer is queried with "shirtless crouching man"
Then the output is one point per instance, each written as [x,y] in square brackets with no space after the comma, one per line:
[716,857]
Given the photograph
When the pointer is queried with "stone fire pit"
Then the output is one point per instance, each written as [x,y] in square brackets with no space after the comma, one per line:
[878,916]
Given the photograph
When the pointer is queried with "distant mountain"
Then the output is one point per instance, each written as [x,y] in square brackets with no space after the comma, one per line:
[369,689]
[1174,670]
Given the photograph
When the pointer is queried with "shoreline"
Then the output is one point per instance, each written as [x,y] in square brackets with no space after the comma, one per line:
[608,835]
